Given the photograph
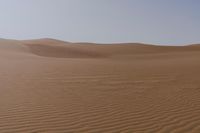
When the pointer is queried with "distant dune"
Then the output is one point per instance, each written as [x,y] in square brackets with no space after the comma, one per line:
[55,48]
[53,86]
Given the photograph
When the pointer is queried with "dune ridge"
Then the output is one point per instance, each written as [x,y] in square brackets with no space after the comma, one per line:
[60,49]
[52,86]
[57,48]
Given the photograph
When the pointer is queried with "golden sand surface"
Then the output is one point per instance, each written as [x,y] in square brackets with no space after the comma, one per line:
[51,86]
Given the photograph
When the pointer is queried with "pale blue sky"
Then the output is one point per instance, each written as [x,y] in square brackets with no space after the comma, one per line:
[172,22]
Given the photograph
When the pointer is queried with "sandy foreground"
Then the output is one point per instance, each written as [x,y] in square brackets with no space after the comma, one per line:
[50,86]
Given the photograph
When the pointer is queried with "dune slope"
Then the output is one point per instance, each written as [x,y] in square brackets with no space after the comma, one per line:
[51,86]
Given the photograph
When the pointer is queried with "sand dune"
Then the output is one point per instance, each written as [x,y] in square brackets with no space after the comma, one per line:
[52,86]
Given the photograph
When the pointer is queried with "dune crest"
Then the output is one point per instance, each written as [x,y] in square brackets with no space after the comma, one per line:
[60,49]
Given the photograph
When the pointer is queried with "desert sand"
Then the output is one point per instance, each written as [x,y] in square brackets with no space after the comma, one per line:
[52,86]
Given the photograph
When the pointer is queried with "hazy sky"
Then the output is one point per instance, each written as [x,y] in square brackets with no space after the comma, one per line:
[104,21]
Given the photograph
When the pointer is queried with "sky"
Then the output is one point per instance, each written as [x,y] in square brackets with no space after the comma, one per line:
[164,22]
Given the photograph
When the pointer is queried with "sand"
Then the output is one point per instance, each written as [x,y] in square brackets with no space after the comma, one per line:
[51,86]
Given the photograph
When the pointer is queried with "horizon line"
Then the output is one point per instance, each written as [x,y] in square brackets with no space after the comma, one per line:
[102,43]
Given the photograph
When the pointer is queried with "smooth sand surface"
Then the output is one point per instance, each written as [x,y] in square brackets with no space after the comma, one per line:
[51,86]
